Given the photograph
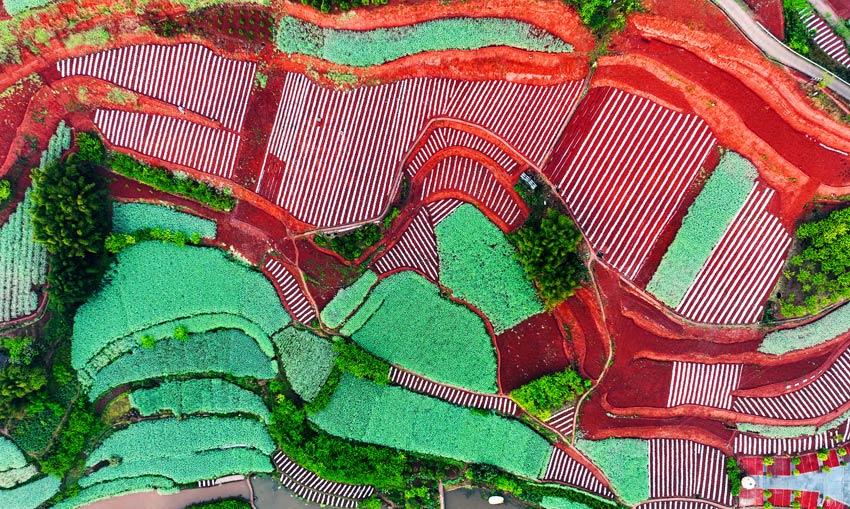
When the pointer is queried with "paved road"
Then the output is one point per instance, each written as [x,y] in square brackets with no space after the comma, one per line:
[776,50]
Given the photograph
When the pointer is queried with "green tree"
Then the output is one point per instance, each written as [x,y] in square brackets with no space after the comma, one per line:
[5,189]
[550,392]
[21,350]
[147,341]
[360,363]
[90,148]
[17,384]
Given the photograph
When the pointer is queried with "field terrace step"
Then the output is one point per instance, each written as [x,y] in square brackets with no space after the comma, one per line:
[440,138]
[826,38]
[297,474]
[416,249]
[291,293]
[623,167]
[734,283]
[186,75]
[816,398]
[676,504]
[453,395]
[563,421]
[681,468]
[703,384]
[565,469]
[753,445]
[474,179]
[335,157]
[172,140]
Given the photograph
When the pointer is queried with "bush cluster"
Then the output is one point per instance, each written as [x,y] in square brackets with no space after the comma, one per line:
[733,472]
[550,392]
[360,363]
[351,245]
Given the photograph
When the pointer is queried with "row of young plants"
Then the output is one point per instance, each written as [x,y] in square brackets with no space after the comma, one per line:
[23,264]
[196,396]
[132,217]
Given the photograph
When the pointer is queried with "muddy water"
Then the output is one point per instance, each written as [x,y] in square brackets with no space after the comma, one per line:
[464,498]
[269,494]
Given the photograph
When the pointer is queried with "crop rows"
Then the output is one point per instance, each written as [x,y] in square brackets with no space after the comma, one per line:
[703,384]
[681,468]
[564,469]
[455,173]
[677,504]
[825,37]
[23,264]
[303,476]
[311,495]
[734,282]
[415,249]
[334,156]
[563,421]
[441,209]
[623,167]
[824,394]
[460,397]
[188,76]
[753,445]
[446,137]
[172,140]
[293,296]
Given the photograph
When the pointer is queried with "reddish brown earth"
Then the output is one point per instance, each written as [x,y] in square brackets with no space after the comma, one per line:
[769,13]
[841,7]
[531,349]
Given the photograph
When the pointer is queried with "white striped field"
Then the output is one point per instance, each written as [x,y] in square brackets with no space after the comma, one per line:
[564,469]
[623,168]
[172,140]
[563,421]
[415,249]
[446,137]
[753,445]
[677,504]
[451,394]
[301,475]
[293,296]
[826,38]
[186,75]
[681,468]
[703,384]
[441,209]
[311,495]
[734,283]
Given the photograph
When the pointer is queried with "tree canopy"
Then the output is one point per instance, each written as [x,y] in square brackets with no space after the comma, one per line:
[548,393]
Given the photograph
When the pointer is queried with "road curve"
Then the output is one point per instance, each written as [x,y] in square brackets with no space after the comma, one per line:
[775,50]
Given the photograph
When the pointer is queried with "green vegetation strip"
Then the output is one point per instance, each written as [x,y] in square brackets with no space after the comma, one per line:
[208,395]
[118,487]
[30,495]
[480,266]
[131,217]
[809,335]
[625,462]
[374,47]
[15,7]
[708,217]
[407,322]
[307,360]
[394,417]
[348,299]
[221,352]
[15,476]
[152,283]
[23,263]
[10,455]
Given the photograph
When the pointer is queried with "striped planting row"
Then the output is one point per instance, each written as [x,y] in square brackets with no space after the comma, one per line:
[303,476]
[732,286]
[563,421]
[564,469]
[334,156]
[293,296]
[172,140]
[317,497]
[676,504]
[206,483]
[445,137]
[442,209]
[823,395]
[681,468]
[415,249]
[753,445]
[623,168]
[186,75]
[703,384]
[455,173]
[826,38]
[451,394]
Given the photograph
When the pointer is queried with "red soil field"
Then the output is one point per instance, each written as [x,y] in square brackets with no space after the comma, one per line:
[323,273]
[530,350]
[841,7]
[700,15]
[769,13]
[581,312]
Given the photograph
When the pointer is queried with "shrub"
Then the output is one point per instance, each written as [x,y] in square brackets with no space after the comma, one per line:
[842,451]
[21,350]
[307,360]
[823,456]
[80,425]
[768,460]
[181,333]
[480,266]
[351,245]
[10,455]
[713,210]
[118,487]
[17,386]
[550,392]
[549,253]
[352,359]
[377,46]
[625,461]
[132,217]
[31,494]
[407,322]
[208,395]
[394,417]
[89,147]
[24,264]
[795,460]
[347,300]
[224,352]
[5,190]
[733,473]
[147,341]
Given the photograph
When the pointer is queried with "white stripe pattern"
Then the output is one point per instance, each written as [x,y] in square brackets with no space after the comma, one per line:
[171,140]
[826,38]
[563,421]
[823,395]
[566,470]
[293,296]
[186,75]
[703,384]
[676,504]
[206,483]
[455,173]
[311,495]
[442,209]
[415,249]
[303,476]
[453,395]
[681,468]
[623,170]
[445,137]
[753,445]
[732,286]
[334,156]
